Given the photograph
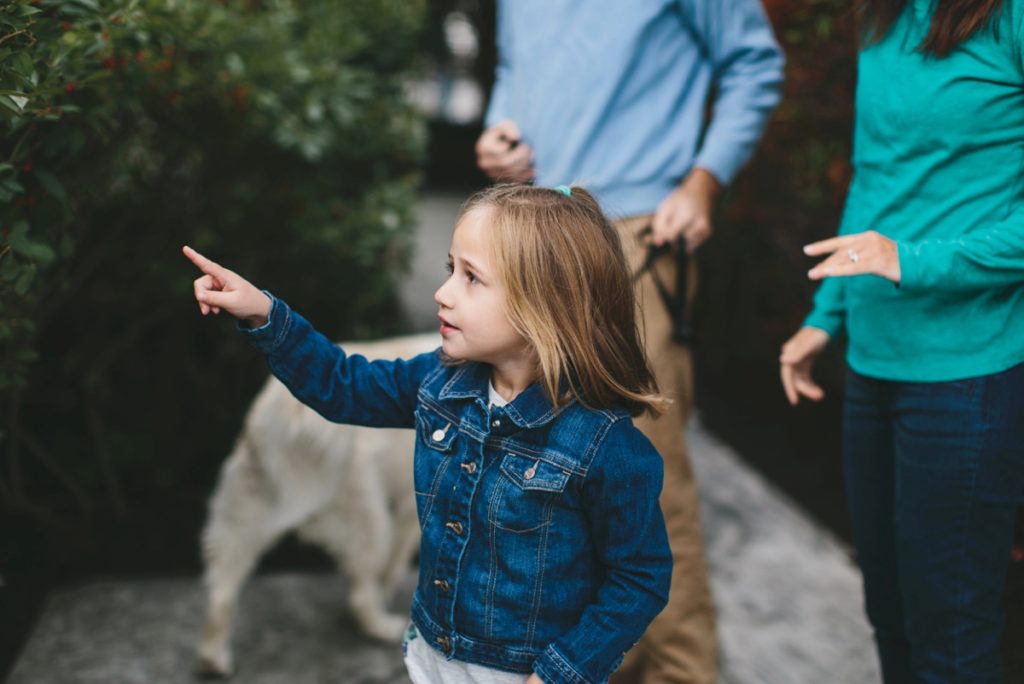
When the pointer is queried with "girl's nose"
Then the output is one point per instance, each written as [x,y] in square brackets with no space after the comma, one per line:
[440,296]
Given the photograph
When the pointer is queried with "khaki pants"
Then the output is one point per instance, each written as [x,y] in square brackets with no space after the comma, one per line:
[680,645]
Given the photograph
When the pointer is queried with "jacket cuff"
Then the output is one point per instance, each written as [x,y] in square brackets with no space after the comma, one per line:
[553,668]
[269,336]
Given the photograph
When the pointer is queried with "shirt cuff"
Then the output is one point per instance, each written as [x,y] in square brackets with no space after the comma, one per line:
[721,161]
[269,336]
[829,323]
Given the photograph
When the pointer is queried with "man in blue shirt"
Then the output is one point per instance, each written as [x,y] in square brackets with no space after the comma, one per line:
[614,96]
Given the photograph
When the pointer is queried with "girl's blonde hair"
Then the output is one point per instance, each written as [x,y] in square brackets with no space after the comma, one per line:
[570,294]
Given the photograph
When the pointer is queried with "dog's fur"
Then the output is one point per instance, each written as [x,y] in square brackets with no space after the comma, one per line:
[348,489]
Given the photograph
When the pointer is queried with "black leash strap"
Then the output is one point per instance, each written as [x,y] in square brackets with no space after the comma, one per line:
[682,330]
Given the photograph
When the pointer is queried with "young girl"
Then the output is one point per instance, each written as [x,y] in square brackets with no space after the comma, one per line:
[544,550]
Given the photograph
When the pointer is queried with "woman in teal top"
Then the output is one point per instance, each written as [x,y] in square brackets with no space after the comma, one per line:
[927,279]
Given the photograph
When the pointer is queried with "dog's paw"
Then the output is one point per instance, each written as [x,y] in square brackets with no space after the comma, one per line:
[214,665]
[387,627]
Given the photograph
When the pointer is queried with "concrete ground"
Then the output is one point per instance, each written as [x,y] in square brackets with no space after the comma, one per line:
[788,595]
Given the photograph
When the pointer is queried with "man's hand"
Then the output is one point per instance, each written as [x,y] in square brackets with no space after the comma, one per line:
[686,212]
[502,154]
[220,288]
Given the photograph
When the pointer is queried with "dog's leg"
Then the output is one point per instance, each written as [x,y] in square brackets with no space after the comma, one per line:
[357,532]
[238,531]
[406,542]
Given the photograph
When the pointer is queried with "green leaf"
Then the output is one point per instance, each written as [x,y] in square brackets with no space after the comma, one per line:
[10,105]
[8,268]
[8,189]
[24,280]
[39,251]
[51,185]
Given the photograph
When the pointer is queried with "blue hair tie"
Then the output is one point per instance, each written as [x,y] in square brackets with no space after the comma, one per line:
[564,189]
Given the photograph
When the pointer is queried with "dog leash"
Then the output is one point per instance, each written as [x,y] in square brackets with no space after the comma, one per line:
[682,328]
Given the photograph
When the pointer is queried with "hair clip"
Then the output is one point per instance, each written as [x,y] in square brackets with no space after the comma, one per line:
[564,189]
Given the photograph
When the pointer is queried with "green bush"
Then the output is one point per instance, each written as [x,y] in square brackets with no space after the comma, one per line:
[272,135]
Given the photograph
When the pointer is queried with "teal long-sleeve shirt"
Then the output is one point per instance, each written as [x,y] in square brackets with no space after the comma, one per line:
[938,168]
[612,94]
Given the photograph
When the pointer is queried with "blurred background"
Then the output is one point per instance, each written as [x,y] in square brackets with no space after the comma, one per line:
[295,140]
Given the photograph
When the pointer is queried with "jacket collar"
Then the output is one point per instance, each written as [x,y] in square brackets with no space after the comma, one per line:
[531,409]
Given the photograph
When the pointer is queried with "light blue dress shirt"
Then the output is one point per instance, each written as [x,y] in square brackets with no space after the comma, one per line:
[612,95]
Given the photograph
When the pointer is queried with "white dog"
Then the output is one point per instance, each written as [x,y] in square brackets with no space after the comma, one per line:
[348,489]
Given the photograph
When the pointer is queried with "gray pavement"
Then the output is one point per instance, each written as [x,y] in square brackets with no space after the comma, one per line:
[787,593]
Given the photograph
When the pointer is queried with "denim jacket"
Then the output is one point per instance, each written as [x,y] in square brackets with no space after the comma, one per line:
[543,547]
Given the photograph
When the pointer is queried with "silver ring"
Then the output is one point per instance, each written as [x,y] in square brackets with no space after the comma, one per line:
[852,254]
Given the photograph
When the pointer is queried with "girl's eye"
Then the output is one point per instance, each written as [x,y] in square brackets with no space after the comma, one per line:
[471,277]
[449,267]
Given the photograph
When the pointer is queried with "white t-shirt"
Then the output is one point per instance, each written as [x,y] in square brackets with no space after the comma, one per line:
[427,666]
[493,397]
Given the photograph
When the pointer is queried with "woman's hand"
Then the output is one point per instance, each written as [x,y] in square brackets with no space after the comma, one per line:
[534,679]
[868,252]
[796,361]
[220,288]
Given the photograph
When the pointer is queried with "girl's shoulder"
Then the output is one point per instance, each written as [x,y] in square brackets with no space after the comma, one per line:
[608,436]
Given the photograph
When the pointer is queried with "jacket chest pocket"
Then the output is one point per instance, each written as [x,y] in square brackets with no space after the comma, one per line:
[526,493]
[436,443]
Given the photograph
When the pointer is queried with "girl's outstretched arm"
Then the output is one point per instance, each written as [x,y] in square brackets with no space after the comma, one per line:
[342,388]
[218,288]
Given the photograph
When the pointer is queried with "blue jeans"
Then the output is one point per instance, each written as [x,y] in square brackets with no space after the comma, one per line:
[934,472]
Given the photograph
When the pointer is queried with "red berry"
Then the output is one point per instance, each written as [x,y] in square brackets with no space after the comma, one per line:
[1017,554]
[70,86]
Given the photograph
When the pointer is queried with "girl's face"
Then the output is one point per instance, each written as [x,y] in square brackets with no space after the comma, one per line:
[474,322]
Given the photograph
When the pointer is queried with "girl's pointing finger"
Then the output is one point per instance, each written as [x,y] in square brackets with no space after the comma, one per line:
[208,267]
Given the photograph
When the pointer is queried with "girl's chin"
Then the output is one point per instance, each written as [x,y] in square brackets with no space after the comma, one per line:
[450,349]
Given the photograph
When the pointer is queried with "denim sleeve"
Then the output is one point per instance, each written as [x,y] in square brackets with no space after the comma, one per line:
[748,68]
[621,493]
[341,388]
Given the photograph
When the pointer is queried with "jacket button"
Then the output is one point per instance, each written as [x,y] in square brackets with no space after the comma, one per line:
[439,434]
[441,584]
[445,643]
[455,527]
[495,423]
[469,467]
